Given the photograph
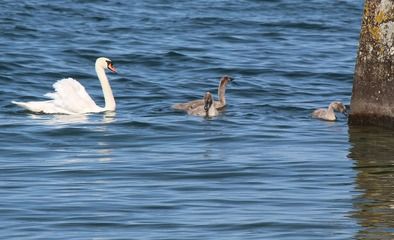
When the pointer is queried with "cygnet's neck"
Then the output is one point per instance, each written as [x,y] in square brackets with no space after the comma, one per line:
[109,99]
[334,107]
[330,112]
[211,111]
[222,92]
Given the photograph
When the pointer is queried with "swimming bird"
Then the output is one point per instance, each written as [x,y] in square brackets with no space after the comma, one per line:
[70,97]
[219,105]
[207,109]
[329,114]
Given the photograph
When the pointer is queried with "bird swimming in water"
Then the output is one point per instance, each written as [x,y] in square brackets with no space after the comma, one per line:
[329,114]
[70,97]
[219,105]
[206,110]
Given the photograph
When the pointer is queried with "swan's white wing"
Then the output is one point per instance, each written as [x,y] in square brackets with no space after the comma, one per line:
[41,106]
[70,97]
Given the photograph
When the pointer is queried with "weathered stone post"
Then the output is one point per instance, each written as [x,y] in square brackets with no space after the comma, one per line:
[372,100]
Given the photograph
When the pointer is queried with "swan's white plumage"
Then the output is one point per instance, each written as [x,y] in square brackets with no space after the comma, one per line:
[70,97]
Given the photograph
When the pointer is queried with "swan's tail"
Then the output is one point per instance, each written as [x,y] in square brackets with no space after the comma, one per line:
[21,104]
[43,106]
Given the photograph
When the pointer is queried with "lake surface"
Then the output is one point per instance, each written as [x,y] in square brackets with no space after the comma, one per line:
[263,169]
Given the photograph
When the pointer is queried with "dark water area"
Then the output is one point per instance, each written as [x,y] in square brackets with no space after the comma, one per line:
[263,169]
[372,152]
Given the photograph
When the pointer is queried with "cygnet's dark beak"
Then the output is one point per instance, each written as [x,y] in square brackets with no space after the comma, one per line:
[232,81]
[345,112]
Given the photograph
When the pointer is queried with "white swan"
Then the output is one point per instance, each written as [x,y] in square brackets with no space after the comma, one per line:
[70,97]
[219,105]
[207,109]
[329,114]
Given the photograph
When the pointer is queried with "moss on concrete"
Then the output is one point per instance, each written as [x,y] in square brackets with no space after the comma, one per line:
[373,86]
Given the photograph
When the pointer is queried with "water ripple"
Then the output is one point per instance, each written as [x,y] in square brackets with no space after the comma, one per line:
[263,169]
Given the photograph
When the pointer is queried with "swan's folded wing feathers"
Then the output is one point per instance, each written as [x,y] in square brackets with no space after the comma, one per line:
[71,95]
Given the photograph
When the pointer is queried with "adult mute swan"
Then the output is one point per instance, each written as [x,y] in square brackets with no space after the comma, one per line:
[70,97]
[207,109]
[219,105]
[329,114]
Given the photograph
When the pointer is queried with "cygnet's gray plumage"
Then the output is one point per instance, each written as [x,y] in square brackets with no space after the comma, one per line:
[206,110]
[329,114]
[219,105]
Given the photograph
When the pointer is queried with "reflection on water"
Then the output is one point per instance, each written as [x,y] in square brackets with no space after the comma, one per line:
[104,152]
[373,152]
[68,119]
[109,117]
[64,119]
[60,119]
[75,126]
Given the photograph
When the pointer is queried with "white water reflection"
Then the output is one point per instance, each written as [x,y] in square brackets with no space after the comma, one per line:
[104,152]
[101,153]
[81,126]
[64,119]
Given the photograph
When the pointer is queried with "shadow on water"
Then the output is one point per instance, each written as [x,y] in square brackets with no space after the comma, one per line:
[373,153]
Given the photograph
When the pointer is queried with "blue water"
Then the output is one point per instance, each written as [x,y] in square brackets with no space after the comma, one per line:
[263,169]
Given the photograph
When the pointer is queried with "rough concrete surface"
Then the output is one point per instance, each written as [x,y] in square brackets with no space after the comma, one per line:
[372,100]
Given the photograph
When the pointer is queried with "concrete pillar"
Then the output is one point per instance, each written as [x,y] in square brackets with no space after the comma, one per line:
[372,100]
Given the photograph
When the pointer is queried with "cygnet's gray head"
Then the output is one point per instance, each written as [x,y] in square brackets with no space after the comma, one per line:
[225,79]
[338,106]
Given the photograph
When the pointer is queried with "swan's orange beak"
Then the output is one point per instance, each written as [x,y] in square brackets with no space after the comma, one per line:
[112,68]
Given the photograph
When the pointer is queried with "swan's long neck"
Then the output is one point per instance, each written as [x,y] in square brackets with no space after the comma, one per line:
[109,99]
[222,92]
